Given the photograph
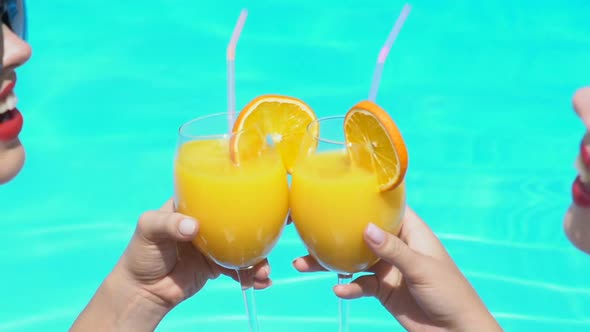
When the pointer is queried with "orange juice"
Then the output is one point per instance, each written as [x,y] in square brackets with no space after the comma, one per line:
[241,210]
[332,202]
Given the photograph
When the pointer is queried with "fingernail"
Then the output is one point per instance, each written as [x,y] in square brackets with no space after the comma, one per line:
[375,234]
[187,226]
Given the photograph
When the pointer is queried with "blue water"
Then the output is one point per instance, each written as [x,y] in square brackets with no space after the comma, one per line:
[481,93]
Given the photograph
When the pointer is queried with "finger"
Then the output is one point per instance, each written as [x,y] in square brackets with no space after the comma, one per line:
[381,268]
[168,206]
[261,272]
[307,264]
[259,283]
[394,251]
[158,226]
[262,284]
[230,273]
[418,235]
[412,223]
[367,285]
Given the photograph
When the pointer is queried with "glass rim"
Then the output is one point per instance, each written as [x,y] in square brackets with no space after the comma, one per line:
[318,137]
[183,127]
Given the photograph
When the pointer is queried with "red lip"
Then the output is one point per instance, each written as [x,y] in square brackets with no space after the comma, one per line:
[7,90]
[9,129]
[580,195]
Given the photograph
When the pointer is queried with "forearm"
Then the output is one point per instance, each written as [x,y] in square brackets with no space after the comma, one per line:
[475,315]
[119,306]
[479,320]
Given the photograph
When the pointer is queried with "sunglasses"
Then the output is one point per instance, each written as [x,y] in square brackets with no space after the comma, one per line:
[13,14]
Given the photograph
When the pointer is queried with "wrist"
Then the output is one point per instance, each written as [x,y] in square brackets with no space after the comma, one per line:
[121,305]
[136,307]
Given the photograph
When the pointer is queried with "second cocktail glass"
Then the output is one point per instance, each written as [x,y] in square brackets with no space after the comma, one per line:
[333,200]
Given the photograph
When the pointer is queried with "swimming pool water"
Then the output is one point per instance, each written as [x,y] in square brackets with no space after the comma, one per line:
[480,91]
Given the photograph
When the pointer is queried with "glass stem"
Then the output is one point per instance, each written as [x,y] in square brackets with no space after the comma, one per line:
[343,309]
[246,278]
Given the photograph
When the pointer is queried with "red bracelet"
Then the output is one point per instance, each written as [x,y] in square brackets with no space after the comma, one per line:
[580,194]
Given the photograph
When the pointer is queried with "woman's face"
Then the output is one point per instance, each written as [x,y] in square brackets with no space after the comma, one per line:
[577,218]
[14,53]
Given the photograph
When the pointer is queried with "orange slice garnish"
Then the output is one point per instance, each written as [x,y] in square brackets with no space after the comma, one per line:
[375,143]
[281,120]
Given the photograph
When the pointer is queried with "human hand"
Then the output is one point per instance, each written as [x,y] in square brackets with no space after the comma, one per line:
[162,260]
[159,269]
[416,281]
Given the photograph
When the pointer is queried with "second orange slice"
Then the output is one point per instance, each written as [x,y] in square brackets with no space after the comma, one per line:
[281,119]
[375,143]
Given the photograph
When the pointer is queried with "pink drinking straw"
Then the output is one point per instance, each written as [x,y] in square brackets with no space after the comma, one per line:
[385,51]
[231,68]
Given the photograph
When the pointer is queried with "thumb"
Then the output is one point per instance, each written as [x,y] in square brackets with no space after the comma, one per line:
[393,250]
[159,226]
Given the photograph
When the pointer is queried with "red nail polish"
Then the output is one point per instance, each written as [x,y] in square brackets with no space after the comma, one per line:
[580,194]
